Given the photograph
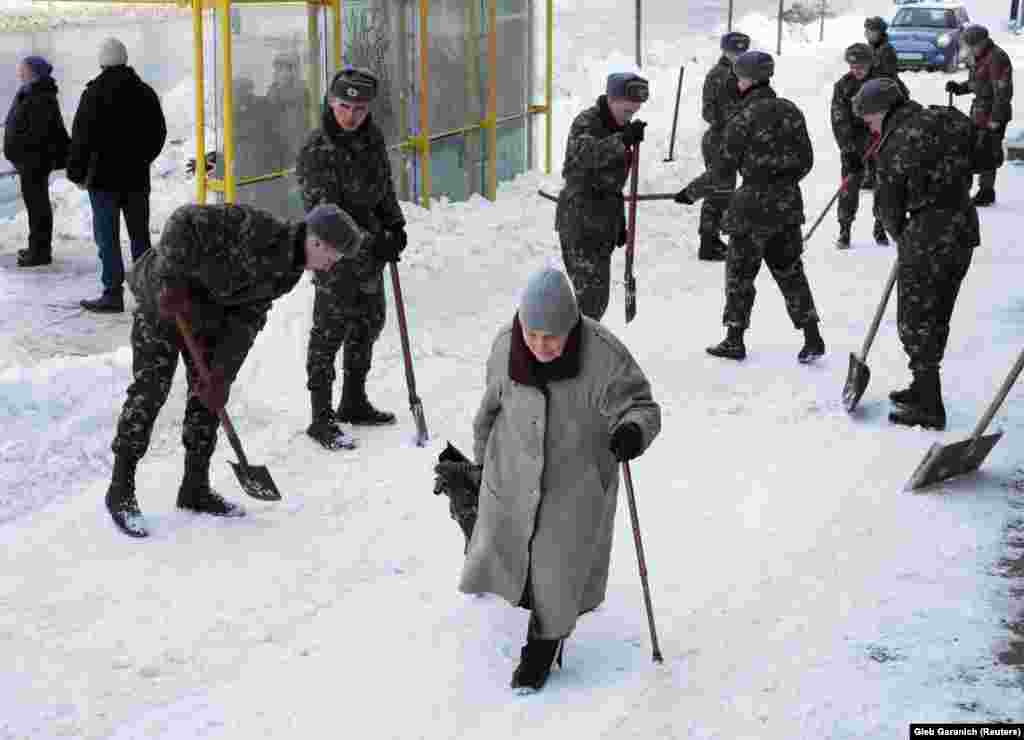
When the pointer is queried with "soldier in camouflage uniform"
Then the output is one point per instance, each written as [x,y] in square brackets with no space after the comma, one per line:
[720,101]
[590,217]
[766,143]
[218,268]
[884,64]
[345,162]
[925,163]
[853,138]
[991,81]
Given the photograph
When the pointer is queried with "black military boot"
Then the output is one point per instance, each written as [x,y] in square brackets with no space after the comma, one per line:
[121,501]
[843,242]
[196,495]
[32,257]
[985,197]
[814,345]
[355,407]
[712,249]
[927,410]
[109,302]
[325,428]
[906,395]
[731,347]
[881,238]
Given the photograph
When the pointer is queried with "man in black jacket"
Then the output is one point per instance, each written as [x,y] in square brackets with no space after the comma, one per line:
[119,129]
[36,143]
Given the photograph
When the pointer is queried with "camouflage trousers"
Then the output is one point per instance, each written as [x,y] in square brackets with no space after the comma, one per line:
[929,280]
[849,197]
[155,348]
[715,198]
[987,179]
[589,265]
[355,322]
[781,250]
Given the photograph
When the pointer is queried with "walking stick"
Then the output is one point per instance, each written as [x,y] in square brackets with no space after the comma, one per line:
[415,405]
[634,175]
[631,498]
[675,116]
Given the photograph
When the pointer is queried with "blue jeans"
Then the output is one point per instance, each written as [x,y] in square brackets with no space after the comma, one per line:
[107,208]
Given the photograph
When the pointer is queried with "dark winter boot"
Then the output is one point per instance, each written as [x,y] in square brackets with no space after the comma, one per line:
[985,197]
[109,302]
[814,345]
[535,661]
[843,242]
[731,347]
[355,407]
[927,410]
[325,428]
[881,238]
[34,257]
[121,501]
[196,495]
[905,396]
[712,249]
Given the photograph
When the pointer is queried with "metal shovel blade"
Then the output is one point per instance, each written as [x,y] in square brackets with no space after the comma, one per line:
[630,299]
[256,481]
[856,382]
[943,462]
[422,437]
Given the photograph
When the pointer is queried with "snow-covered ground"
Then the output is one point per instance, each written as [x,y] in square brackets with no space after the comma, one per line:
[798,590]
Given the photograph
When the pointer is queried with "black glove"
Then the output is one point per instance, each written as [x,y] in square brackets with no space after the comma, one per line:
[388,246]
[852,162]
[633,133]
[684,197]
[627,442]
[623,236]
[401,237]
[957,88]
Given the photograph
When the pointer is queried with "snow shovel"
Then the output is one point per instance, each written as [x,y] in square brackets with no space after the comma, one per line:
[254,479]
[415,405]
[642,564]
[858,376]
[675,118]
[947,461]
[634,175]
[643,196]
[842,187]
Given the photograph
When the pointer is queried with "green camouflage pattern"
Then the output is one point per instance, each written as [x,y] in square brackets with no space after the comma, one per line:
[886,63]
[356,324]
[991,81]
[588,263]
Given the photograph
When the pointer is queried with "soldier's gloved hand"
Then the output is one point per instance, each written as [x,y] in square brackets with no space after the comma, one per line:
[623,236]
[174,301]
[684,198]
[213,390]
[398,233]
[852,162]
[633,133]
[627,442]
[386,247]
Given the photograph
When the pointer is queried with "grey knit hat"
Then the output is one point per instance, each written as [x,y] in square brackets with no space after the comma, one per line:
[548,303]
[331,224]
[113,53]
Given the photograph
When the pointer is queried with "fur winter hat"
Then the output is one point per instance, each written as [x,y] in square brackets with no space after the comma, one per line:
[548,303]
[333,225]
[113,53]
[758,66]
[735,42]
[859,54]
[38,66]
[627,85]
[877,96]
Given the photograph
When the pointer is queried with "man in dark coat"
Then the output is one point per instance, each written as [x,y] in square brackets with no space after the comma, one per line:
[925,162]
[36,143]
[767,144]
[219,268]
[991,81]
[885,59]
[720,101]
[345,162]
[590,217]
[119,129]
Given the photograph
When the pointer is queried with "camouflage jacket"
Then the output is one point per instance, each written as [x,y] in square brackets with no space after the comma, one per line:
[924,173]
[885,63]
[352,171]
[720,97]
[767,144]
[595,171]
[991,81]
[851,133]
[235,260]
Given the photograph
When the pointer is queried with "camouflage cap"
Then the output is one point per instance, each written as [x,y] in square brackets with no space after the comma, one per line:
[877,96]
[974,35]
[754,65]
[627,85]
[329,223]
[354,85]
[735,42]
[875,23]
[858,54]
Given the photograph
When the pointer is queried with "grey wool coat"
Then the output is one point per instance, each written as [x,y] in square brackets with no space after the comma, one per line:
[543,535]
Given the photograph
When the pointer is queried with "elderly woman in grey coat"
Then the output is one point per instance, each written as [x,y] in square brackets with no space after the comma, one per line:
[564,403]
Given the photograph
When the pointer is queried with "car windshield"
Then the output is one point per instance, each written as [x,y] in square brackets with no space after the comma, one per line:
[921,18]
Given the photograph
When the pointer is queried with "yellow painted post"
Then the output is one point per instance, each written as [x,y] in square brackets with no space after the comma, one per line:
[492,101]
[200,75]
[229,103]
[548,79]
[424,137]
[339,9]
